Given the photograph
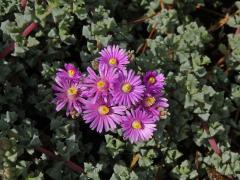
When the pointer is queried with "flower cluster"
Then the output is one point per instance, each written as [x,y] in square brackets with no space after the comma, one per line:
[113,96]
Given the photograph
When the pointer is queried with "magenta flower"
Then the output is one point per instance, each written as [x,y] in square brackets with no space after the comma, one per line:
[138,126]
[113,56]
[102,116]
[152,104]
[99,86]
[154,82]
[68,93]
[70,72]
[128,89]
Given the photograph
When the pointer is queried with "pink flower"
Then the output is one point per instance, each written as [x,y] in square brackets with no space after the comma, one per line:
[154,82]
[153,103]
[128,89]
[68,93]
[138,126]
[102,116]
[113,57]
[70,72]
[98,86]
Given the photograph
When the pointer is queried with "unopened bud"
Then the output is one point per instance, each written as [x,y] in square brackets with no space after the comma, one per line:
[163,113]
[74,114]
[131,55]
[95,64]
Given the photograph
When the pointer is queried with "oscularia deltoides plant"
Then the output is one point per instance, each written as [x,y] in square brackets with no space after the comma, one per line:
[114,96]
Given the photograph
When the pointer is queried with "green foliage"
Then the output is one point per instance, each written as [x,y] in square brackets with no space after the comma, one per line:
[121,172]
[203,85]
[184,171]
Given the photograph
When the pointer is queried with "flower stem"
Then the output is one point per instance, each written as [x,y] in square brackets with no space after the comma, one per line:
[69,164]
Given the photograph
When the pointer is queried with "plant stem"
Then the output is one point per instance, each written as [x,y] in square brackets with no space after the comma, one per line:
[10,47]
[69,164]
[29,29]
[23,4]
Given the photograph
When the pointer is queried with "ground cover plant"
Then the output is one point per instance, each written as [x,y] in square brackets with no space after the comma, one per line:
[50,51]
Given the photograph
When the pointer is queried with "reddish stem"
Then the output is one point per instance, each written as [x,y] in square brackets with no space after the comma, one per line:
[23,3]
[212,140]
[29,29]
[69,164]
[214,145]
[7,50]
[237,31]
[11,46]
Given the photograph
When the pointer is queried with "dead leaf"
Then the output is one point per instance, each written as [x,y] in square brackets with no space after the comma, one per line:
[134,160]
[220,23]
[214,175]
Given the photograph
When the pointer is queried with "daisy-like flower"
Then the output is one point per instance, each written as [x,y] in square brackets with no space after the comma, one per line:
[99,86]
[68,93]
[128,89]
[113,56]
[138,126]
[153,104]
[102,116]
[70,72]
[154,82]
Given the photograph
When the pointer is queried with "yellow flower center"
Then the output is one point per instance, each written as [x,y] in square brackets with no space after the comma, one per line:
[103,110]
[112,61]
[71,72]
[136,124]
[126,87]
[149,101]
[151,80]
[101,84]
[72,91]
